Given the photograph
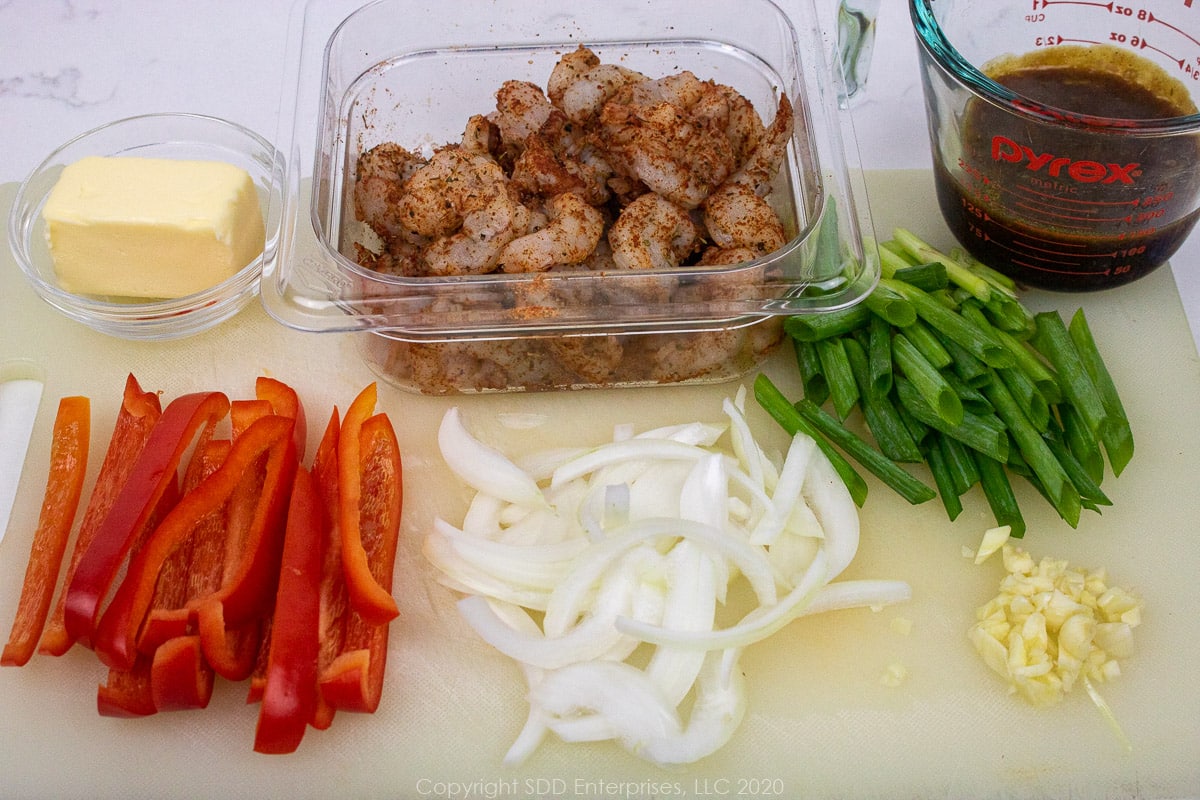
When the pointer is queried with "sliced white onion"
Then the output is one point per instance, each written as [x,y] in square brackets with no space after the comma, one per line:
[630,546]
[787,491]
[566,601]
[831,503]
[636,450]
[754,627]
[484,468]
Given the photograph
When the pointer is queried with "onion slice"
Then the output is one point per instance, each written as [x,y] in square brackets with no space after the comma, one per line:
[600,571]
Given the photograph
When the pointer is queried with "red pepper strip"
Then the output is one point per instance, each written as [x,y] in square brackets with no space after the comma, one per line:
[117,631]
[367,595]
[194,568]
[180,678]
[126,692]
[334,602]
[286,403]
[233,649]
[283,400]
[64,486]
[290,694]
[249,591]
[354,681]
[148,480]
[136,418]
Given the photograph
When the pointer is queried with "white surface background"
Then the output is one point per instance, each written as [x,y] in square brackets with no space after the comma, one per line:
[69,65]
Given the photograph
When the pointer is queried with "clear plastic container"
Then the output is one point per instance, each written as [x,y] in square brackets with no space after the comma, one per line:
[397,72]
[167,135]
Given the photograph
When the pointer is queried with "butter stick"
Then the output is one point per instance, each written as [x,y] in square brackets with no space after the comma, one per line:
[151,227]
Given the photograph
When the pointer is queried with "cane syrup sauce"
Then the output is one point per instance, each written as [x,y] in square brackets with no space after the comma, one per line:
[1065,207]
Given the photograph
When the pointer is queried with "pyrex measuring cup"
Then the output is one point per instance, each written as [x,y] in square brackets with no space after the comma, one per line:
[1065,135]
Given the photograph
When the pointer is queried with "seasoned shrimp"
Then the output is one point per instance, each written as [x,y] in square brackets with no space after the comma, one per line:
[570,68]
[481,136]
[662,146]
[652,233]
[378,185]
[463,203]
[489,223]
[736,217]
[539,170]
[570,235]
[521,109]
[586,96]
[729,110]
[764,161]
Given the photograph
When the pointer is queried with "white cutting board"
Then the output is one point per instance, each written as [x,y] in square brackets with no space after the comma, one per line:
[819,723]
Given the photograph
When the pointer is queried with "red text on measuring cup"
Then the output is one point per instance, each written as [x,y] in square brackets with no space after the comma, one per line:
[1083,171]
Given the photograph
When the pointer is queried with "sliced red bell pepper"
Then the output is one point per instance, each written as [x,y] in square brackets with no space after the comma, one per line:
[289,694]
[116,633]
[286,403]
[354,681]
[64,486]
[368,596]
[126,692]
[243,602]
[180,678]
[152,474]
[334,602]
[195,568]
[137,416]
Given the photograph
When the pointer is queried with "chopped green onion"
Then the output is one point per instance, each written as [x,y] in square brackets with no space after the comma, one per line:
[816,388]
[928,382]
[975,340]
[1053,342]
[929,277]
[1037,453]
[882,418]
[811,327]
[774,403]
[998,491]
[951,497]
[842,388]
[985,433]
[1117,435]
[875,462]
[879,356]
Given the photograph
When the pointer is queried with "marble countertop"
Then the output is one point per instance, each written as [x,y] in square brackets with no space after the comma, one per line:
[69,65]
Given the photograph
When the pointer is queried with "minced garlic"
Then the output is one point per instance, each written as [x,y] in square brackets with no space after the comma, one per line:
[1052,625]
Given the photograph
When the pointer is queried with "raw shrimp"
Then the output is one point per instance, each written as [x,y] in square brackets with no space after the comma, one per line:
[570,235]
[481,136]
[540,171]
[661,145]
[521,109]
[570,68]
[584,98]
[729,110]
[378,185]
[736,217]
[759,168]
[652,233]
[488,225]
[461,201]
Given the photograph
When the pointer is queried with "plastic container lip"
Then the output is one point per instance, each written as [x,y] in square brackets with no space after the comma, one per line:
[935,42]
[162,135]
[309,281]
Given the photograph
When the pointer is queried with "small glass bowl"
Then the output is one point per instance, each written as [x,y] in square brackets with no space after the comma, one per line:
[168,135]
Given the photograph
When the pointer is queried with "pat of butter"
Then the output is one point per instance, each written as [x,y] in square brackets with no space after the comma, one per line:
[151,227]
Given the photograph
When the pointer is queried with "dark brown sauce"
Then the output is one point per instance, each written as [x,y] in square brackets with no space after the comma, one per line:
[1075,206]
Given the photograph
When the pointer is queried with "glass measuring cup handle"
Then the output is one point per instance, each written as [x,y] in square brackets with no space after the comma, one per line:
[856,41]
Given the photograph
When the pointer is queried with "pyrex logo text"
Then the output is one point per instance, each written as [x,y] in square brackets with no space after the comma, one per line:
[1083,171]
